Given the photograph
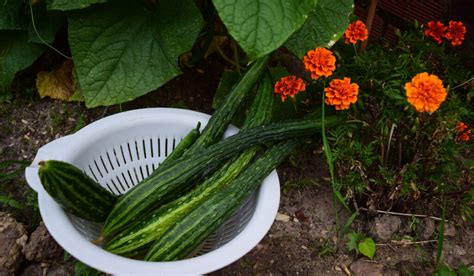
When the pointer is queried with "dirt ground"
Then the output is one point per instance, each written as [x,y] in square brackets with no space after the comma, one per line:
[303,239]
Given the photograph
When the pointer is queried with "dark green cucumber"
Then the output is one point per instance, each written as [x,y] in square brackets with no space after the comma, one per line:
[133,240]
[202,221]
[76,192]
[154,190]
[219,121]
[183,145]
[223,115]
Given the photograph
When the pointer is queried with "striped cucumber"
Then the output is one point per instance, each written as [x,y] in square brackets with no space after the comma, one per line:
[223,115]
[133,240]
[156,190]
[181,148]
[195,227]
[76,192]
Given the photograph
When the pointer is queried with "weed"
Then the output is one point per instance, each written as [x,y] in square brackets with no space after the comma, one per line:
[360,243]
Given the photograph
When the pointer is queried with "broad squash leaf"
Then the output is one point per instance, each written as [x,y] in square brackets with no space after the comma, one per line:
[15,54]
[65,5]
[47,24]
[261,26]
[57,84]
[123,51]
[325,25]
[12,15]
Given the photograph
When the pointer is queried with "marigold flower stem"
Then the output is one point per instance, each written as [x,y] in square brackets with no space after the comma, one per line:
[327,152]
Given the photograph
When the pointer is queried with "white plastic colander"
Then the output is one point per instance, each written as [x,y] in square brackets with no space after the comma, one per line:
[121,150]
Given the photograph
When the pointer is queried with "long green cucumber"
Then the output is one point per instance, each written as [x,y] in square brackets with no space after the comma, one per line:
[154,190]
[74,191]
[183,145]
[223,115]
[132,240]
[195,227]
[217,124]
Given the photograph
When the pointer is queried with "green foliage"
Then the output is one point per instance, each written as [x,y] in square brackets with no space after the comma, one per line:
[10,202]
[144,44]
[81,269]
[10,170]
[261,26]
[11,16]
[15,54]
[359,243]
[462,270]
[323,28]
[124,49]
[65,5]
[45,25]
[389,152]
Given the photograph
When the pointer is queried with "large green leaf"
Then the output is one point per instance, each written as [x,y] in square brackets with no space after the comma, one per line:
[12,15]
[47,24]
[261,26]
[65,5]
[15,54]
[123,52]
[323,28]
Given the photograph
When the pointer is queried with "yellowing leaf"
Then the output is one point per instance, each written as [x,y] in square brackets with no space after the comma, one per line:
[57,84]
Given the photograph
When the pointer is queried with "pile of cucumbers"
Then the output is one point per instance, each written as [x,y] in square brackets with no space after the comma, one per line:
[198,186]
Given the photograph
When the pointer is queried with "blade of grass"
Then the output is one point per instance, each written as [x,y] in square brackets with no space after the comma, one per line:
[349,221]
[329,158]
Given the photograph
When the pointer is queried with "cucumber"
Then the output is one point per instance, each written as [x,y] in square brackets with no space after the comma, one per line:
[133,240]
[223,115]
[159,189]
[194,228]
[181,148]
[74,191]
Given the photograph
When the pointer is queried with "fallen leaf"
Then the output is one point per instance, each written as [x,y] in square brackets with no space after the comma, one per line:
[57,84]
[282,217]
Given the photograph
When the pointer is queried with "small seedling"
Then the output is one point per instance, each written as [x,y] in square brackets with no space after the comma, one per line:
[359,243]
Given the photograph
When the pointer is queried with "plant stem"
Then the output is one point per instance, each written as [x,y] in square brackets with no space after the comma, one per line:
[403,214]
[355,49]
[327,152]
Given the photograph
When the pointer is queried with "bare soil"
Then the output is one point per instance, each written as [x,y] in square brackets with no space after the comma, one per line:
[302,241]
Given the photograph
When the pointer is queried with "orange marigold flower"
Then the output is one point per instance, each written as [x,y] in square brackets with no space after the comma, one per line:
[460,127]
[341,93]
[356,31]
[320,62]
[455,33]
[436,30]
[289,86]
[425,92]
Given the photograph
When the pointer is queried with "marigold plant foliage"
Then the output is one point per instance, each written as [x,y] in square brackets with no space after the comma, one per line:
[355,32]
[289,86]
[341,93]
[425,92]
[320,62]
